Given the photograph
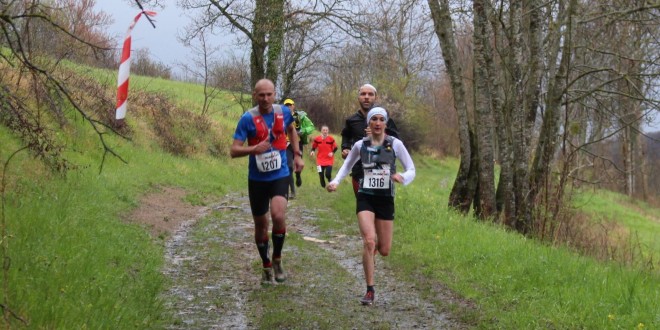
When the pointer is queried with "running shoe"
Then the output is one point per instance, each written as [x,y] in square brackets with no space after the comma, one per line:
[267,277]
[279,271]
[368,298]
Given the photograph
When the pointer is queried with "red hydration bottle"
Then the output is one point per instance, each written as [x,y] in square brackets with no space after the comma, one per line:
[279,134]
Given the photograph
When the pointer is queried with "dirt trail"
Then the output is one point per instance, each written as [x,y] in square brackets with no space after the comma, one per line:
[213,267]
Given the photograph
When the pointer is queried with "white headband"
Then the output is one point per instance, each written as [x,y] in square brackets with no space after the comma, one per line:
[376,111]
[368,86]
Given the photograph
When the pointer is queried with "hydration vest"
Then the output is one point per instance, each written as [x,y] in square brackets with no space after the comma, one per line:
[303,125]
[277,134]
[377,158]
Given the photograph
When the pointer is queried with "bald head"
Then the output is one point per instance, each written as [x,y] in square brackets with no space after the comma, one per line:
[264,95]
[264,84]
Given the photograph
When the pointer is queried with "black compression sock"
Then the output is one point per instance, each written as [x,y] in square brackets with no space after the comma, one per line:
[263,252]
[278,243]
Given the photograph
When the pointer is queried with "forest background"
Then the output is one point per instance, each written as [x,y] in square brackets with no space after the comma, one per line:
[503,89]
[524,51]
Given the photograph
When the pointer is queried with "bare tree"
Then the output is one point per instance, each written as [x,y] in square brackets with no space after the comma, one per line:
[342,70]
[202,68]
[485,82]
[79,18]
[143,64]
[232,74]
[555,84]
[299,61]
[464,187]
[264,25]
[25,24]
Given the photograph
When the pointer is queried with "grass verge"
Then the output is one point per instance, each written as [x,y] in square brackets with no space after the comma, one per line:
[73,262]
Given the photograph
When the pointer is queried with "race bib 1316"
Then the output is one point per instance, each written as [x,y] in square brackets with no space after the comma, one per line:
[376,179]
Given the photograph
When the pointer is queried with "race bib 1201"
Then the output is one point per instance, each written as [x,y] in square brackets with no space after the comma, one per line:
[269,161]
[376,179]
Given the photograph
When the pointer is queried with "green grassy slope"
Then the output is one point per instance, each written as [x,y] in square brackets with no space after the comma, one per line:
[640,220]
[75,263]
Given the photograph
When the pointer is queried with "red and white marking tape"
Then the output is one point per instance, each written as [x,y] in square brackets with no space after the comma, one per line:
[125,68]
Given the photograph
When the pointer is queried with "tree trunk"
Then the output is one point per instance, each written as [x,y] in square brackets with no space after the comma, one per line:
[258,42]
[644,168]
[275,37]
[502,104]
[534,70]
[547,144]
[484,121]
[627,152]
[519,127]
[527,88]
[461,193]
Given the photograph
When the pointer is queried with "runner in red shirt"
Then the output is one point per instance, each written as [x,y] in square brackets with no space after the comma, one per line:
[326,146]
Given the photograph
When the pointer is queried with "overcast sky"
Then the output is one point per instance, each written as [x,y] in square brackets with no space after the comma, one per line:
[162,41]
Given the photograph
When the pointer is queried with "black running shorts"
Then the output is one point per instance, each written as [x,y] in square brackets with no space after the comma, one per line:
[261,192]
[381,206]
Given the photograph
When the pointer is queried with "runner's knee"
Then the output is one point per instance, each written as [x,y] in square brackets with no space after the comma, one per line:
[369,243]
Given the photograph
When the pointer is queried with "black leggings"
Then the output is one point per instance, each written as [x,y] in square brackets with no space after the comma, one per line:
[289,161]
[326,172]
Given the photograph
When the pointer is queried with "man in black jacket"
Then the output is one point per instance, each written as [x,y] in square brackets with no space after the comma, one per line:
[355,128]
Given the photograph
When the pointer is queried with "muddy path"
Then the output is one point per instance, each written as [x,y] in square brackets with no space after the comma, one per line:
[214,273]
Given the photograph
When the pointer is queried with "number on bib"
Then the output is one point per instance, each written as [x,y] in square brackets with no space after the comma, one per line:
[376,179]
[269,161]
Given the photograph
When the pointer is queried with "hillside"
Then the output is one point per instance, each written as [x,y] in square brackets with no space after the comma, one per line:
[82,255]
